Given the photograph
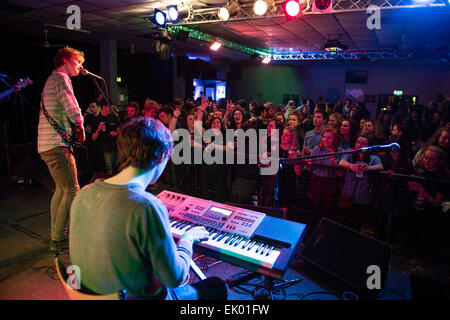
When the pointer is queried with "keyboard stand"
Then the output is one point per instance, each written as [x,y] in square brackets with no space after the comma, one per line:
[270,285]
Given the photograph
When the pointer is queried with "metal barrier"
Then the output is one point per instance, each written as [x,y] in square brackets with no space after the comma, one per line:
[391,211]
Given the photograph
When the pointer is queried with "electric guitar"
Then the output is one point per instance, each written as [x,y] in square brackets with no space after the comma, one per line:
[21,84]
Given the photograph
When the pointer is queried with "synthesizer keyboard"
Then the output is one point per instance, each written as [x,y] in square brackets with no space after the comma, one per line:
[249,239]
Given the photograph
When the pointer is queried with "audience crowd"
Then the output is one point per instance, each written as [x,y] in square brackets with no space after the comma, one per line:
[349,183]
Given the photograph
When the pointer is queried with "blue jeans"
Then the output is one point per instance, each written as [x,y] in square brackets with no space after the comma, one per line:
[209,289]
[61,164]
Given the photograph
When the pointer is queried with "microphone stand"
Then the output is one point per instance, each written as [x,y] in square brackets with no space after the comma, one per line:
[303,159]
[111,107]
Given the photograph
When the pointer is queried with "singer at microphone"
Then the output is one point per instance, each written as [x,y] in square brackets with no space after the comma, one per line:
[84,72]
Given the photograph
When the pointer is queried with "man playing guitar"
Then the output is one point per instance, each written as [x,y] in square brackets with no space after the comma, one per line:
[59,103]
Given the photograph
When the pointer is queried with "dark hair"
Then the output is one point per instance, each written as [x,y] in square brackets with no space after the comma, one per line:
[167,109]
[143,143]
[67,53]
[258,110]
[133,104]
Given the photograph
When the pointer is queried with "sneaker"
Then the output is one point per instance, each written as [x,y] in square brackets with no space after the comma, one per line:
[59,245]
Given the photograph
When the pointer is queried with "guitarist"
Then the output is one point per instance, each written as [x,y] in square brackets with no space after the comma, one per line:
[59,105]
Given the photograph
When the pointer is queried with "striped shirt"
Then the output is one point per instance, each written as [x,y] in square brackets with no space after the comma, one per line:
[61,104]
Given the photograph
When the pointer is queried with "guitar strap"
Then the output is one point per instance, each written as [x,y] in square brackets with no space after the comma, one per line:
[63,133]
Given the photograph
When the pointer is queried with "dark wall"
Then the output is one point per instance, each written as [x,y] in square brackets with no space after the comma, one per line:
[145,76]
[23,56]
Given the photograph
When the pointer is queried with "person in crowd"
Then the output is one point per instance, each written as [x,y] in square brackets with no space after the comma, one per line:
[289,148]
[335,120]
[132,111]
[313,137]
[324,183]
[136,251]
[280,117]
[289,108]
[109,147]
[428,225]
[270,110]
[415,125]
[95,126]
[166,114]
[441,139]
[268,181]
[58,102]
[151,108]
[245,177]
[347,108]
[348,132]
[295,121]
[358,184]
[398,129]
[369,130]
[259,120]
[383,125]
[361,112]
[238,120]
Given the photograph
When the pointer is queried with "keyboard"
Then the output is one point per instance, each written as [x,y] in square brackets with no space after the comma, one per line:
[246,238]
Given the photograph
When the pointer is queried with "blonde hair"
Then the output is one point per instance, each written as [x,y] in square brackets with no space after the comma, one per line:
[67,53]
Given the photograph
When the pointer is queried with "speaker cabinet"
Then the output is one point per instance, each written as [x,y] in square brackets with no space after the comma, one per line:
[346,254]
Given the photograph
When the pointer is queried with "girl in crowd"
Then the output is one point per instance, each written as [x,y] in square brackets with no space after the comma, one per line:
[213,176]
[323,186]
[358,184]
[295,121]
[268,181]
[428,225]
[289,148]
[348,132]
[335,120]
[441,138]
[369,130]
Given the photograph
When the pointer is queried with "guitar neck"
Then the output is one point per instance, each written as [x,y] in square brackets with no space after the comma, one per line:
[6,92]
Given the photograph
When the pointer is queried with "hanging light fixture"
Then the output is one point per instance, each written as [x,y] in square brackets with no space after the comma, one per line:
[159,18]
[261,7]
[216,45]
[266,59]
[231,9]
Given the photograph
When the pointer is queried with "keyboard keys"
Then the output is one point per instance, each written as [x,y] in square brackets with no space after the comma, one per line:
[235,245]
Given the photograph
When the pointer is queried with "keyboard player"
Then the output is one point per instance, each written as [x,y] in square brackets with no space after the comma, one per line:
[120,236]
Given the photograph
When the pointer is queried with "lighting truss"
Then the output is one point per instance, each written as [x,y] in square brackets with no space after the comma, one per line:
[195,34]
[209,14]
[335,56]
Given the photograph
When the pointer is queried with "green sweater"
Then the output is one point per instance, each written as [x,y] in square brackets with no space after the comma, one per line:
[120,238]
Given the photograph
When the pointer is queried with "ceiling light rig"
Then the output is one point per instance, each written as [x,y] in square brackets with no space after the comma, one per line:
[231,9]
[261,7]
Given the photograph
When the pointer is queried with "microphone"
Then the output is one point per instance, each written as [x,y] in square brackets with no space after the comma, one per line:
[392,147]
[84,72]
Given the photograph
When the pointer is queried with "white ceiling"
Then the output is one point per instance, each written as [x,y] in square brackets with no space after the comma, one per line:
[420,30]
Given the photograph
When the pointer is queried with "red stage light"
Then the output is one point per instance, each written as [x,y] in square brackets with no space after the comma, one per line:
[292,8]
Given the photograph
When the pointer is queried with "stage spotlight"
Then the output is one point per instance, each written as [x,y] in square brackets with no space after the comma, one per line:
[261,7]
[292,8]
[266,60]
[159,18]
[231,9]
[216,45]
[172,11]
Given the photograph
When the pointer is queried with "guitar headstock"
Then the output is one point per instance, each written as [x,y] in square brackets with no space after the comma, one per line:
[22,83]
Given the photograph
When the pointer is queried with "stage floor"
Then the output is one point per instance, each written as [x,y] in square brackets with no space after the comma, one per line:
[27,271]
